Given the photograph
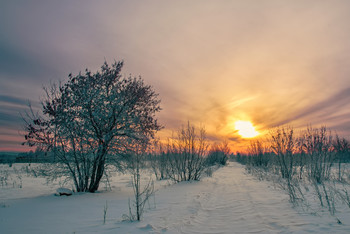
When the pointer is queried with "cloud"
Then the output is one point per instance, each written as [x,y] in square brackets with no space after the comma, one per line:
[10,120]
[329,109]
[272,62]
[13,100]
[11,109]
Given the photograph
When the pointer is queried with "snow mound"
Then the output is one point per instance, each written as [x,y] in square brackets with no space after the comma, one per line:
[63,192]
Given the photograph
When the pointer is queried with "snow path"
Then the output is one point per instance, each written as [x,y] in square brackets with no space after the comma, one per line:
[233,202]
[229,202]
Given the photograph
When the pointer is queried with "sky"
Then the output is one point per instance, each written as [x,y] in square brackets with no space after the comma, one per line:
[213,63]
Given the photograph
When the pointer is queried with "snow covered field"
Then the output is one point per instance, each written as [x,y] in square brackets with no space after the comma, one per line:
[228,202]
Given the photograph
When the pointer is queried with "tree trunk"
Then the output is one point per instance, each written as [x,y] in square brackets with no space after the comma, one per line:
[98,170]
[95,182]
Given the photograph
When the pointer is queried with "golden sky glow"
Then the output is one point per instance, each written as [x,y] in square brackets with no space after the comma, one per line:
[212,62]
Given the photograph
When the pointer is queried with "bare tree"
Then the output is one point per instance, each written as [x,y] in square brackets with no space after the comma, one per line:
[186,154]
[92,117]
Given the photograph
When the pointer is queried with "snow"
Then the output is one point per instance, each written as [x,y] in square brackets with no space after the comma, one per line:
[64,191]
[230,201]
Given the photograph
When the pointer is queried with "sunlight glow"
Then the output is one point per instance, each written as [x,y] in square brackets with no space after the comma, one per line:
[246,129]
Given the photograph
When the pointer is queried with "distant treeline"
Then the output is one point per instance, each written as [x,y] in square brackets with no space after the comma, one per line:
[26,157]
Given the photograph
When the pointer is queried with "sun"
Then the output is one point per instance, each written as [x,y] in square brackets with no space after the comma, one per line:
[246,129]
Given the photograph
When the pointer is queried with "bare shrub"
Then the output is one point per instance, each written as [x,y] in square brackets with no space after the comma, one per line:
[218,154]
[341,148]
[186,154]
[158,160]
[343,194]
[304,165]
[283,144]
[277,156]
[317,145]
[141,194]
[258,154]
[240,158]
